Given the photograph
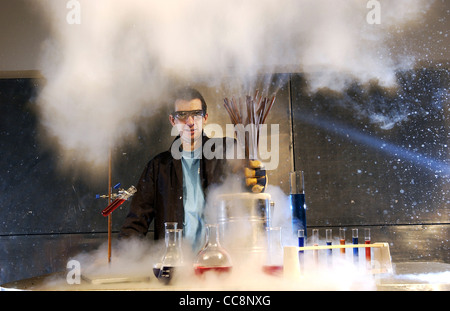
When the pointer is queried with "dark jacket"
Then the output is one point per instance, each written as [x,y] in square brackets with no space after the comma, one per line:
[159,195]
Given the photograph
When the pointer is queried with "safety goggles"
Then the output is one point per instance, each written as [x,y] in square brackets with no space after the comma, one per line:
[184,115]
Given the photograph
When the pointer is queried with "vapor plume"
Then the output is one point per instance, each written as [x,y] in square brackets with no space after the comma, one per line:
[117,64]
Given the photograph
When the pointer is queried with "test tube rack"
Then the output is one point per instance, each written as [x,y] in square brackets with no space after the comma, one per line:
[381,257]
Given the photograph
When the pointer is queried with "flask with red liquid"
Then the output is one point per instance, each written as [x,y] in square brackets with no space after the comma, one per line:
[212,257]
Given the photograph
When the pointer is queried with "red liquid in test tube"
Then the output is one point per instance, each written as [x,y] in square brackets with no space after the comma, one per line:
[118,201]
[315,241]
[342,239]
[111,207]
[367,241]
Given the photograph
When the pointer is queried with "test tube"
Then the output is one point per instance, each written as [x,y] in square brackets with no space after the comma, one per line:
[125,195]
[367,241]
[329,239]
[342,239]
[297,198]
[355,241]
[301,243]
[301,238]
[315,237]
[315,241]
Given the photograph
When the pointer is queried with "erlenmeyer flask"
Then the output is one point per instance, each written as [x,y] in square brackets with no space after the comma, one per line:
[173,255]
[212,257]
[274,253]
[167,225]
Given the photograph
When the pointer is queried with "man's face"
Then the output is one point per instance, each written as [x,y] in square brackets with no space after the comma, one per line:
[189,120]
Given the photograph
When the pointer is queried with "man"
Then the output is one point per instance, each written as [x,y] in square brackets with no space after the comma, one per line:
[173,185]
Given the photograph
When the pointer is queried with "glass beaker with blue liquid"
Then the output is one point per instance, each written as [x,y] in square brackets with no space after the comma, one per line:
[297,197]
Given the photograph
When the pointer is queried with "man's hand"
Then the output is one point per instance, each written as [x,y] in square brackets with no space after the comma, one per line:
[255,176]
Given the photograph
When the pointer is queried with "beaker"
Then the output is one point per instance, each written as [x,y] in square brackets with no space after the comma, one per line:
[297,198]
[173,255]
[212,257]
[274,253]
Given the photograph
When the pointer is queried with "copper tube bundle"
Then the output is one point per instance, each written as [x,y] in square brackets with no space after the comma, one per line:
[248,115]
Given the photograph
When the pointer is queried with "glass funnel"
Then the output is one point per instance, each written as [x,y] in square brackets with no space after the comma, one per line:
[173,255]
[212,257]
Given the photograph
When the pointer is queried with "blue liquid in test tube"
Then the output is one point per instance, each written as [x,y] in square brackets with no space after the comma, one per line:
[298,211]
[329,240]
[301,238]
[301,243]
[355,241]
[297,200]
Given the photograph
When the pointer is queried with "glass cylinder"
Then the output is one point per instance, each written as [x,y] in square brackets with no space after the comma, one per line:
[274,253]
[297,198]
[212,257]
[296,182]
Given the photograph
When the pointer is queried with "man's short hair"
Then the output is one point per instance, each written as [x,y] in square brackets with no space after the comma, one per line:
[189,93]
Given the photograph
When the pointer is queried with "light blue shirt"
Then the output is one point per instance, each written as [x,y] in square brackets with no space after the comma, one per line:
[193,199]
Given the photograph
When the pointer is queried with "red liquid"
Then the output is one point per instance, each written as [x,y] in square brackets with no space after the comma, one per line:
[111,207]
[368,257]
[200,270]
[273,270]
[342,242]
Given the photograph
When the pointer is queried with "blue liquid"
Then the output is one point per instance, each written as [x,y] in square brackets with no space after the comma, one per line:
[329,255]
[355,250]
[301,243]
[298,212]
[329,251]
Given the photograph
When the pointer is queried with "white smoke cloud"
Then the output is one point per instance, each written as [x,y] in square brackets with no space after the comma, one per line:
[116,65]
